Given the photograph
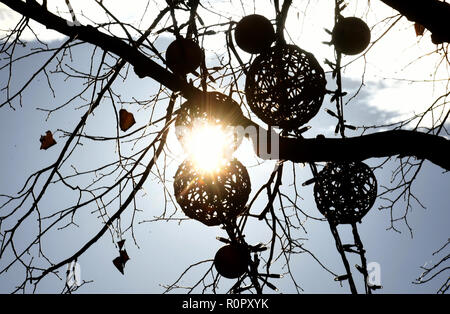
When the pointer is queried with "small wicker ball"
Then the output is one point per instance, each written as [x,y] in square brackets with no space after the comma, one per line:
[231,261]
[285,86]
[254,33]
[212,198]
[213,108]
[183,56]
[351,36]
[345,192]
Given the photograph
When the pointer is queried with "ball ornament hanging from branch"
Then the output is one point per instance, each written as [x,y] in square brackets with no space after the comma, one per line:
[345,191]
[231,261]
[285,86]
[183,56]
[212,198]
[254,34]
[351,35]
[212,109]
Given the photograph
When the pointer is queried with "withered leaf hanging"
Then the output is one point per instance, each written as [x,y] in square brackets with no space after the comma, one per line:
[119,265]
[121,260]
[47,140]
[126,120]
[124,256]
[120,244]
[419,28]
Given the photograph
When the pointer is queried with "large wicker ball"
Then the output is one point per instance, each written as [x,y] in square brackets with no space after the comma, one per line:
[231,261]
[212,108]
[183,56]
[351,36]
[285,86]
[254,33]
[212,198]
[345,192]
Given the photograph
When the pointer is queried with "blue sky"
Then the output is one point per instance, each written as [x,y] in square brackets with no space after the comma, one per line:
[167,248]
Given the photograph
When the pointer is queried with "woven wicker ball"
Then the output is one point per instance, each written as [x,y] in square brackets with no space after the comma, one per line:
[183,56]
[351,36]
[212,108]
[212,198]
[254,33]
[285,86]
[345,192]
[231,261]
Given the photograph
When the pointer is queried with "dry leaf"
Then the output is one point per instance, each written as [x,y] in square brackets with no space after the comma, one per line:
[124,256]
[47,140]
[118,263]
[419,28]
[126,120]
[121,260]
[120,244]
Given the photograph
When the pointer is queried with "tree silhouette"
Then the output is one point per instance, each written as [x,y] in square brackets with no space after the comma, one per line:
[345,188]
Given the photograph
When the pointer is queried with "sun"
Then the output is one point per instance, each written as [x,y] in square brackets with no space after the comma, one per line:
[209,146]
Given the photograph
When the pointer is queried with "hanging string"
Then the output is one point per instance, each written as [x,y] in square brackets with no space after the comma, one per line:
[337,97]
[348,276]
[337,71]
[361,252]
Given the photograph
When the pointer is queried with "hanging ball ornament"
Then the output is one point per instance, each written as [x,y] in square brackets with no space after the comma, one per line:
[183,56]
[254,33]
[351,35]
[211,108]
[345,191]
[231,261]
[285,86]
[212,198]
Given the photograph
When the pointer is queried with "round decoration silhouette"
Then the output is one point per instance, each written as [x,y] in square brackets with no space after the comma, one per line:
[254,34]
[345,191]
[285,86]
[231,261]
[212,198]
[212,108]
[183,56]
[351,35]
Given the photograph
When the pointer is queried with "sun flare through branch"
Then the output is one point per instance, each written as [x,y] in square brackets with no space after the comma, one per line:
[209,146]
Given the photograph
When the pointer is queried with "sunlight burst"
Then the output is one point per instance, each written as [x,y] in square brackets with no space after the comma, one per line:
[209,147]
